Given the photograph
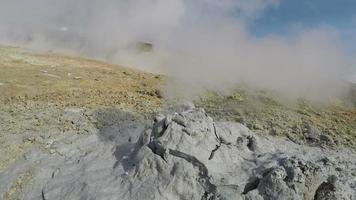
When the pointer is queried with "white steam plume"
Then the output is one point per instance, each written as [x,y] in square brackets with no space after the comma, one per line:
[201,44]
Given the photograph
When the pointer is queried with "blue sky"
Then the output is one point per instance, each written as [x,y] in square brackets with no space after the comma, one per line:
[340,14]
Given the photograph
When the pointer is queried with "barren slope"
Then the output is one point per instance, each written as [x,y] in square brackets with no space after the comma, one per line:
[74,81]
[37,88]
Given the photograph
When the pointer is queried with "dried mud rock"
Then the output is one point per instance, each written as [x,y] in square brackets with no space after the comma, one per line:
[187,155]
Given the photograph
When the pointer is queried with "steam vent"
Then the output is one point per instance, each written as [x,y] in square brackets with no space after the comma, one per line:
[177,100]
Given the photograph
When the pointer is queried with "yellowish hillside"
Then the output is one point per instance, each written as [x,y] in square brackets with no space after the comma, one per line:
[74,81]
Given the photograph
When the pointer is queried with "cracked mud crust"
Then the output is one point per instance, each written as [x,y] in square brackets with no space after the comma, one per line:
[170,159]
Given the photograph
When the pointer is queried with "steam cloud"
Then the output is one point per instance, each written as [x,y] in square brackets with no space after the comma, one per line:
[199,44]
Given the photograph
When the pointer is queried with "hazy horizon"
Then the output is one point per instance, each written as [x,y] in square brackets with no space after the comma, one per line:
[210,44]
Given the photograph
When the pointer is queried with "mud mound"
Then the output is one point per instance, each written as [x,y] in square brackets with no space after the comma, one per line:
[183,155]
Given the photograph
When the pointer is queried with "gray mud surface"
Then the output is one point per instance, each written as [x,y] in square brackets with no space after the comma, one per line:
[185,155]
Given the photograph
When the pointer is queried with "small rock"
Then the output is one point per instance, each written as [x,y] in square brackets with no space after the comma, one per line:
[159,117]
[39,139]
[257,126]
[353,173]
[272,186]
[188,106]
[293,138]
[49,143]
[326,139]
[312,133]
[125,157]
[339,169]
[252,143]
[51,75]
[239,141]
[276,131]
[327,190]
[240,119]
[29,139]
[158,93]
[326,161]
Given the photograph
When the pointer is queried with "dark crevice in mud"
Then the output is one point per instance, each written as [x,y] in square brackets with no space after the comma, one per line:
[204,179]
[43,195]
[215,132]
[160,128]
[187,131]
[157,149]
[252,185]
[212,154]
[221,142]
[174,169]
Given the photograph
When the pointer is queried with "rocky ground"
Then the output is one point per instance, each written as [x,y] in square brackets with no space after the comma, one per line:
[71,128]
[331,124]
[38,90]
